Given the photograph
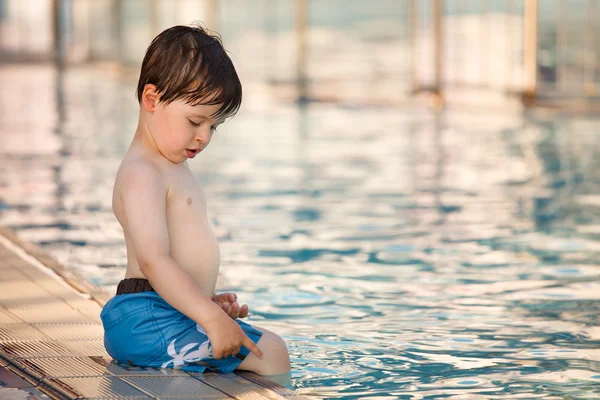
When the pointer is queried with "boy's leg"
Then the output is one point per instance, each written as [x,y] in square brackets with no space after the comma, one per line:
[284,380]
[276,359]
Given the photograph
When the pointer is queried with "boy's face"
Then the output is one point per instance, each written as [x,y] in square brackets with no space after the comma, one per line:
[181,130]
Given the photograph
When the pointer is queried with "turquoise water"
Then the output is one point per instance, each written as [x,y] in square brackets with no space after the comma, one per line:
[400,253]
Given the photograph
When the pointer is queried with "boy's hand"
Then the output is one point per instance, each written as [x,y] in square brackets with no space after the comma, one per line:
[228,303]
[227,336]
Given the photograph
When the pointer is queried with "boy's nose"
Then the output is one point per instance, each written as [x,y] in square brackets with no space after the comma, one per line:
[202,144]
[203,136]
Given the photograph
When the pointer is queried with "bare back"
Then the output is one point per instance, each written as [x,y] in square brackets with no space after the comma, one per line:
[192,242]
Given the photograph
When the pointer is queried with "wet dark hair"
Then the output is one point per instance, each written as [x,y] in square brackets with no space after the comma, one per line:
[189,63]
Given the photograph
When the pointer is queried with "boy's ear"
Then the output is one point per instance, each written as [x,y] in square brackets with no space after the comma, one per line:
[150,97]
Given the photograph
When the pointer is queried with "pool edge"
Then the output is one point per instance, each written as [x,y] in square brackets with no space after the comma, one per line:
[80,284]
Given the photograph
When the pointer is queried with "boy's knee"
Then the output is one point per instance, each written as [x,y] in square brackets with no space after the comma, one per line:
[278,343]
[276,357]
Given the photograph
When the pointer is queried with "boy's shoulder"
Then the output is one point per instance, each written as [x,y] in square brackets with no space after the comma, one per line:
[158,176]
[138,167]
[134,173]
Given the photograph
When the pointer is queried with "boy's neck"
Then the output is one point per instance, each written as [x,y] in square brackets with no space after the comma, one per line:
[142,139]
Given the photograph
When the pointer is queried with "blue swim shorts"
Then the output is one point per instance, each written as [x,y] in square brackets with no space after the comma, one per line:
[143,329]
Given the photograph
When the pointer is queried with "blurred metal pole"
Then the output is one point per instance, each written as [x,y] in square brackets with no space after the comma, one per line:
[59,31]
[509,6]
[413,31]
[463,11]
[486,17]
[153,14]
[530,51]
[270,17]
[561,44]
[437,43]
[301,19]
[437,51]
[91,30]
[116,12]
[212,14]
[589,67]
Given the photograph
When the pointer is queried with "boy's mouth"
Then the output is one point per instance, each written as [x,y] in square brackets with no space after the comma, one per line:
[191,153]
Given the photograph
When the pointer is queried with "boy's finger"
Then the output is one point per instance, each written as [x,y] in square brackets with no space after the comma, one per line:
[253,347]
[243,311]
[232,297]
[235,310]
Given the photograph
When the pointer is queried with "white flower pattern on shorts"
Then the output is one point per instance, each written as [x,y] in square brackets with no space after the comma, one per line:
[183,357]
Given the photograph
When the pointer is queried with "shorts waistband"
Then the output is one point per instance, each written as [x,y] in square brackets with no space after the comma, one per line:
[134,285]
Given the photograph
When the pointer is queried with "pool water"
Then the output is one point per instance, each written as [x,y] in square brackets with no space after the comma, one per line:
[400,253]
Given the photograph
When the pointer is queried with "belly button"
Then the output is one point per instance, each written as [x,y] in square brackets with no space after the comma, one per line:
[189,201]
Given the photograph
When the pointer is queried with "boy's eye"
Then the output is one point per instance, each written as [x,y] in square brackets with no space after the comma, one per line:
[212,128]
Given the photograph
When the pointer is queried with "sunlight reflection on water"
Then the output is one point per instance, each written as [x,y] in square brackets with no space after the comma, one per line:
[399,253]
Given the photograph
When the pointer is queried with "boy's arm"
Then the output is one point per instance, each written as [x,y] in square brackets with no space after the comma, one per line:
[144,197]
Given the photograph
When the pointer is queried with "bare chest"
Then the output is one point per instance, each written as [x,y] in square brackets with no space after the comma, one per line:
[186,200]
[192,241]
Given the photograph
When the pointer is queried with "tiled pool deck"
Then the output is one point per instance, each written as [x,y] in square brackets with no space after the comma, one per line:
[51,342]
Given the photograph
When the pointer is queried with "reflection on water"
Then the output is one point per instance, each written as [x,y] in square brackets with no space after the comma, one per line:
[400,253]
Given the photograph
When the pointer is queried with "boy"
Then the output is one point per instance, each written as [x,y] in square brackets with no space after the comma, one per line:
[166,313]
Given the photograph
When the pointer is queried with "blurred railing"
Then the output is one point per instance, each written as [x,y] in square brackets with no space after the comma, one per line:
[544,51]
